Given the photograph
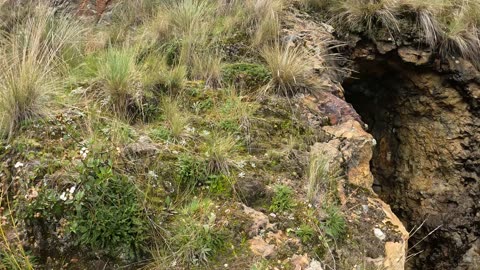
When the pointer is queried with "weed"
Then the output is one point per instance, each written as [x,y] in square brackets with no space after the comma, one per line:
[282,200]
[194,238]
[13,255]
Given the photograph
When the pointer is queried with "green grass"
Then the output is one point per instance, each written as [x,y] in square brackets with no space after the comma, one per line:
[282,200]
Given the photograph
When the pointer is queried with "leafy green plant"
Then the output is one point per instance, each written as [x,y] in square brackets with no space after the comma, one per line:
[305,232]
[109,218]
[246,75]
[283,199]
[191,172]
[334,224]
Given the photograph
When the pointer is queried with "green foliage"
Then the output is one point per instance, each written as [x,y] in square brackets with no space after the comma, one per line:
[283,199]
[246,75]
[191,172]
[160,133]
[109,218]
[306,233]
[334,224]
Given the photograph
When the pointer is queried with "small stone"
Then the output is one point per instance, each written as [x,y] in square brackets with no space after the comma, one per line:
[379,234]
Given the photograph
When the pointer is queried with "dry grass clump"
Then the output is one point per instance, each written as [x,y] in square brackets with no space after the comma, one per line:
[426,13]
[30,62]
[289,68]
[451,27]
[366,16]
[174,117]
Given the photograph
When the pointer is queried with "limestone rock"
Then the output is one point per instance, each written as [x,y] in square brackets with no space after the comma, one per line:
[260,220]
[261,248]
[143,147]
[357,151]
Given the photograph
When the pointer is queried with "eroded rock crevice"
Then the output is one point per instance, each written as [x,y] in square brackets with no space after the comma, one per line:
[425,161]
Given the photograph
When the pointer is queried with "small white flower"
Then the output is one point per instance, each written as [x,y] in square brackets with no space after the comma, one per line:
[152,174]
[183,142]
[72,189]
[241,164]
[205,132]
[253,165]
[18,165]
[226,265]
[241,175]
[63,197]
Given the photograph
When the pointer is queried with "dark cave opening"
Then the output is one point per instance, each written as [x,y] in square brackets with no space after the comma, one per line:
[394,108]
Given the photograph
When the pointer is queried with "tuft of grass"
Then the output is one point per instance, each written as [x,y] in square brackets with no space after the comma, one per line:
[13,255]
[268,28]
[289,68]
[175,119]
[30,69]
[283,199]
[426,13]
[462,36]
[220,149]
[120,79]
[207,67]
[366,16]
[320,174]
[193,240]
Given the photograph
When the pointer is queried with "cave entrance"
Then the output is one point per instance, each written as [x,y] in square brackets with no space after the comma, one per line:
[375,94]
[398,115]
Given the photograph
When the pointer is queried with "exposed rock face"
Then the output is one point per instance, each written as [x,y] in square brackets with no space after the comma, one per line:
[426,164]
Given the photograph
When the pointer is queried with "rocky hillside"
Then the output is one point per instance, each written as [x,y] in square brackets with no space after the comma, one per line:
[227,134]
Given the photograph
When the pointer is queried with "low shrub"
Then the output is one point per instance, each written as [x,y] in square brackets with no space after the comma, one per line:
[246,75]
[283,199]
